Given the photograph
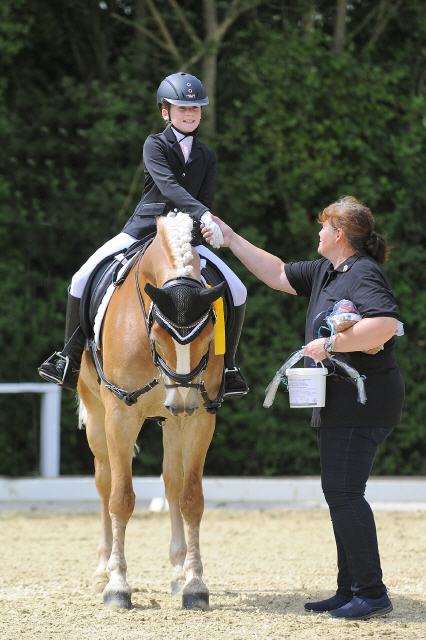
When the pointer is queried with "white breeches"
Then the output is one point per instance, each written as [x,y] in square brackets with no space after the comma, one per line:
[124,240]
[237,288]
[115,245]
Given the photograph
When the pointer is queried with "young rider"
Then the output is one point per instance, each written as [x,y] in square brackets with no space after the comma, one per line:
[180,174]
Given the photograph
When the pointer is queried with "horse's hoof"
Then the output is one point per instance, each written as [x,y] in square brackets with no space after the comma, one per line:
[117,600]
[195,601]
[195,596]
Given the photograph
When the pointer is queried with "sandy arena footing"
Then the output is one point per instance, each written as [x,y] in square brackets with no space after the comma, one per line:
[260,567]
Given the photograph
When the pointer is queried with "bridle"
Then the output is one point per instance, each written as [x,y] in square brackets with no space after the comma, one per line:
[184,334]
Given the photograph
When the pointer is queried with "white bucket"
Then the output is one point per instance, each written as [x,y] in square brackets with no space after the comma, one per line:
[306,387]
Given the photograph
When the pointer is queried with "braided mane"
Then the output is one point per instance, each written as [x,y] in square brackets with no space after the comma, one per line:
[178,232]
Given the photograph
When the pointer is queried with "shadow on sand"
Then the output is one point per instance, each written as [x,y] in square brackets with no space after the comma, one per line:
[406,610]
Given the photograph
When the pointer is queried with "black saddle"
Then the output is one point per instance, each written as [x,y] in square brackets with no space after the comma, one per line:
[105,274]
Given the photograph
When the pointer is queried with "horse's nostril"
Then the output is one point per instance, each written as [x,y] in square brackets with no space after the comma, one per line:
[171,409]
[178,410]
[189,412]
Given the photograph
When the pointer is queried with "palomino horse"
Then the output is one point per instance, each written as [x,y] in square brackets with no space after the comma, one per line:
[171,354]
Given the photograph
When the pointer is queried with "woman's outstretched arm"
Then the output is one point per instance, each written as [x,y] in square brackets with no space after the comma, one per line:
[264,265]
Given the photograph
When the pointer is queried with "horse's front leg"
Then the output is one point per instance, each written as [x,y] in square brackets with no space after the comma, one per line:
[122,426]
[197,436]
[103,485]
[173,483]
[95,431]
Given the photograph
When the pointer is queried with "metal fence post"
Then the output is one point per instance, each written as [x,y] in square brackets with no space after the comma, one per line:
[50,422]
[50,436]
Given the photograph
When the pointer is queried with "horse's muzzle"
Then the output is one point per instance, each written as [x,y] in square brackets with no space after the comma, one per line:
[180,411]
[181,400]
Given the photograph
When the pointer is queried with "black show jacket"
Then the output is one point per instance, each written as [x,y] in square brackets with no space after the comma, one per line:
[171,184]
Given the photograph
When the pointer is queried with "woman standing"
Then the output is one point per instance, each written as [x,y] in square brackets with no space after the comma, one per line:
[349,433]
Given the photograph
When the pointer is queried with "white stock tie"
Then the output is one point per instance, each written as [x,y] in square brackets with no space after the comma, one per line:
[186,145]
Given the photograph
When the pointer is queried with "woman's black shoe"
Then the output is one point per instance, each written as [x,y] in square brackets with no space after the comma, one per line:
[327,605]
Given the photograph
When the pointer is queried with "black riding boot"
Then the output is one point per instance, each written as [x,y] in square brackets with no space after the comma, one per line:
[235,385]
[63,367]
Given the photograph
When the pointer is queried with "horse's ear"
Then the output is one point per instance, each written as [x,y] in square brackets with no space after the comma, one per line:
[213,293]
[150,290]
[156,294]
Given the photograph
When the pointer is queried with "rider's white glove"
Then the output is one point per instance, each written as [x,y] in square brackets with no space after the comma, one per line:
[217,239]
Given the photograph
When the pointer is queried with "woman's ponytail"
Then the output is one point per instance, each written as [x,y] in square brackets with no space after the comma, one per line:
[376,247]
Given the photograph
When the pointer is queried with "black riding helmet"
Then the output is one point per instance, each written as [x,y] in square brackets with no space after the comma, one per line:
[182,90]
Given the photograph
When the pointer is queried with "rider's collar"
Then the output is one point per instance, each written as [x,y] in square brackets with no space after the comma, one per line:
[182,135]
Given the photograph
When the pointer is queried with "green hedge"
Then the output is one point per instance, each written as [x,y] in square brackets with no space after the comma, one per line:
[298,127]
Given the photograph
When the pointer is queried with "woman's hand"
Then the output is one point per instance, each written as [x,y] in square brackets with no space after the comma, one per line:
[226,231]
[315,350]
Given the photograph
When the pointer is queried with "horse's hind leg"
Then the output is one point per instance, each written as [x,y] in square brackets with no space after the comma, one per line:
[197,434]
[173,482]
[95,430]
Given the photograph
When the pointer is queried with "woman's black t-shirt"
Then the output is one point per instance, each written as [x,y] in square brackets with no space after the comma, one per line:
[361,280]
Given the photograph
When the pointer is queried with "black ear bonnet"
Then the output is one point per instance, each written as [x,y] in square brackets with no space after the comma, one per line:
[182,306]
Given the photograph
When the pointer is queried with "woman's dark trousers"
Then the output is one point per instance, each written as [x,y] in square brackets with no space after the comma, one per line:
[347,456]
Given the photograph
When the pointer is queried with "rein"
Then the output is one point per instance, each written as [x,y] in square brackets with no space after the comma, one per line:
[129,397]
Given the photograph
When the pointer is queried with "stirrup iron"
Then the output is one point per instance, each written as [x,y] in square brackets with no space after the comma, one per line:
[53,360]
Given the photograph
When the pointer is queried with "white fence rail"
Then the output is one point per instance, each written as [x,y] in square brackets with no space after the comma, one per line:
[300,492]
[69,493]
[50,422]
